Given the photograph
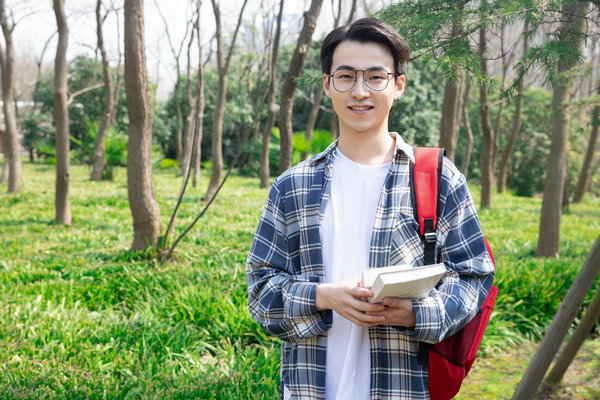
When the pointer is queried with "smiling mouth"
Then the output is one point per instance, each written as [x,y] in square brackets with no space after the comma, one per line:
[360,108]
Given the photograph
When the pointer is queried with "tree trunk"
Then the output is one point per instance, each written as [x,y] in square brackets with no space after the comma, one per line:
[199,113]
[584,175]
[188,139]
[312,118]
[289,86]
[487,156]
[549,233]
[99,148]
[516,129]
[564,317]
[12,147]
[143,205]
[334,124]
[450,112]
[217,133]
[583,330]
[264,170]
[468,131]
[61,112]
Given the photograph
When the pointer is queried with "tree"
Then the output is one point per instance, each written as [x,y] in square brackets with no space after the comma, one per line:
[289,86]
[223,68]
[570,36]
[451,106]
[11,140]
[515,130]
[61,112]
[586,169]
[561,322]
[264,171]
[468,131]
[487,159]
[143,205]
[199,109]
[109,101]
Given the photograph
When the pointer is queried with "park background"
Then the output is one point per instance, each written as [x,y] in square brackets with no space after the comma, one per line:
[95,308]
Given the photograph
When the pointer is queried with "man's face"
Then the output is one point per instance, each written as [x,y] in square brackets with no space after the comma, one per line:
[363,110]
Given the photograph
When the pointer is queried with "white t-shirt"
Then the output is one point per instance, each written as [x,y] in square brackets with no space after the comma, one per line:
[345,237]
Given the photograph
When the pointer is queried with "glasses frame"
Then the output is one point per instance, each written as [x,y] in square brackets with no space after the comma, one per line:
[332,79]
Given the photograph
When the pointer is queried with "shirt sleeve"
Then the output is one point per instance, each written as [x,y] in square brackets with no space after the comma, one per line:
[462,249]
[280,298]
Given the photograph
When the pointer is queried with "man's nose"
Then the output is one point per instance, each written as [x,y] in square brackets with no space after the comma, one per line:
[360,88]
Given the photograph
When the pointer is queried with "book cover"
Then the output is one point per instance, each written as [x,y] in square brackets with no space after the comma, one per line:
[402,281]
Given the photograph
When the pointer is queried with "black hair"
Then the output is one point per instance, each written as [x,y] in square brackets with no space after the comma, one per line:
[367,30]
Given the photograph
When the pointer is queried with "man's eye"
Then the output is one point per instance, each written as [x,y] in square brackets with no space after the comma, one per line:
[375,78]
[345,76]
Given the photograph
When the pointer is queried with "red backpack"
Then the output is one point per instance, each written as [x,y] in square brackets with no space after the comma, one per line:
[450,360]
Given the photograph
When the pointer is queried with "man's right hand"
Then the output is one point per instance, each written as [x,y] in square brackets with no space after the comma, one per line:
[348,299]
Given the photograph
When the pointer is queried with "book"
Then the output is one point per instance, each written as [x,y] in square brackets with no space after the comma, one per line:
[402,281]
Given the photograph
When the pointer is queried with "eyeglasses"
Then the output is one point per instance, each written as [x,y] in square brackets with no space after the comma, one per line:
[375,78]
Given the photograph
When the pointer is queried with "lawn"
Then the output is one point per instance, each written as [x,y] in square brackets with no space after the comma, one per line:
[83,317]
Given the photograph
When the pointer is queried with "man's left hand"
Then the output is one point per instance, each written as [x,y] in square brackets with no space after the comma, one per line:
[398,312]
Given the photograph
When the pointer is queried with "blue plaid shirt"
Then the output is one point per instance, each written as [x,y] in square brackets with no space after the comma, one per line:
[285,266]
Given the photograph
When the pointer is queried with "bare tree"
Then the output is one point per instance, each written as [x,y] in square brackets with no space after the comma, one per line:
[515,130]
[264,171]
[177,56]
[12,147]
[143,205]
[109,101]
[570,35]
[289,86]
[61,112]
[223,68]
[487,167]
[199,109]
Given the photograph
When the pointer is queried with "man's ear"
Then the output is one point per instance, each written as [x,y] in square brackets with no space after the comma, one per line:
[326,81]
[399,89]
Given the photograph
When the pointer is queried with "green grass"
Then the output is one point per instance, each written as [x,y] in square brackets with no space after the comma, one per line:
[83,317]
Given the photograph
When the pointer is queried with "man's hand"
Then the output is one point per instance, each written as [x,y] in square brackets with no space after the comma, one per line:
[348,299]
[398,312]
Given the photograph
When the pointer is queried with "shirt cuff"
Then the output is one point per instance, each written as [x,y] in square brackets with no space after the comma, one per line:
[302,310]
[428,319]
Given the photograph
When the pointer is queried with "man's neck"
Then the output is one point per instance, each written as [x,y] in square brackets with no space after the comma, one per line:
[366,148]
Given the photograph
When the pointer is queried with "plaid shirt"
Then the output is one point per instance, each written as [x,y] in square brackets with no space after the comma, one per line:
[285,266]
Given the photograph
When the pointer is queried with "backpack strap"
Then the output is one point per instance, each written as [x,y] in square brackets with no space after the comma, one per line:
[425,178]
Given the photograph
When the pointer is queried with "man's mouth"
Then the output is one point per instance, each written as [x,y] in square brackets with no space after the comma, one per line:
[360,108]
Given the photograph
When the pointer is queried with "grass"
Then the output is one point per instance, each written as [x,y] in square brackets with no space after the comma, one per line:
[83,317]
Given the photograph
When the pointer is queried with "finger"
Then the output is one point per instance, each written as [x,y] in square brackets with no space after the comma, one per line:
[358,291]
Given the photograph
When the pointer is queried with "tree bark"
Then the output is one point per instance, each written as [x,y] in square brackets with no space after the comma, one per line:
[264,170]
[312,118]
[188,139]
[199,112]
[12,147]
[487,157]
[99,148]
[515,130]
[449,123]
[468,131]
[564,317]
[289,86]
[61,112]
[586,169]
[549,233]
[143,205]
[222,67]
[574,344]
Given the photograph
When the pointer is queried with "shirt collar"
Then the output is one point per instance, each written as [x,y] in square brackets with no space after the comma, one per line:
[401,147]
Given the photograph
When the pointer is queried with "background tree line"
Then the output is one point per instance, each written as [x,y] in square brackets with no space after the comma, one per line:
[509,88]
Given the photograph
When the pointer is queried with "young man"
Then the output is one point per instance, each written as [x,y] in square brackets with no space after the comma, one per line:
[348,209]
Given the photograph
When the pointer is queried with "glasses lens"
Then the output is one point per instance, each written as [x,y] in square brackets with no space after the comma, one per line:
[344,79]
[376,79]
